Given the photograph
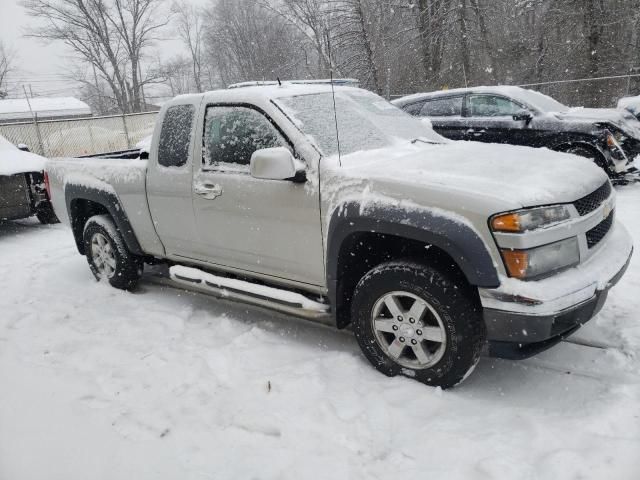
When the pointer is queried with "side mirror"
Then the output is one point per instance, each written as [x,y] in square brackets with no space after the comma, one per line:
[523,116]
[276,164]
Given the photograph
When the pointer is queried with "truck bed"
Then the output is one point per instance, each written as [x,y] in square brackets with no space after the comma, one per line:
[124,178]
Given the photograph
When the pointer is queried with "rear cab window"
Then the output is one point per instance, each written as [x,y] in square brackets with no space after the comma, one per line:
[175,136]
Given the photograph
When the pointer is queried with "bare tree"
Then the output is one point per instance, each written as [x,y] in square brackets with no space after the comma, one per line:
[109,35]
[177,75]
[311,18]
[190,20]
[246,41]
[6,66]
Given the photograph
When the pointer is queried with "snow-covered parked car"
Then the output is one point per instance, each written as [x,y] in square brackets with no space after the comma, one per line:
[22,189]
[517,116]
[356,216]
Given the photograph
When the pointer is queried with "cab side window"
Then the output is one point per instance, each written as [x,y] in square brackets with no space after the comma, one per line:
[175,136]
[232,134]
[443,107]
[491,106]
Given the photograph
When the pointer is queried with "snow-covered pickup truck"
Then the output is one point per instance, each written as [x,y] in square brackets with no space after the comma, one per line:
[427,248]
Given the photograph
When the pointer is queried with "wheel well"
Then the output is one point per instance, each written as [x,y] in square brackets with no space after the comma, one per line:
[362,251]
[600,158]
[80,211]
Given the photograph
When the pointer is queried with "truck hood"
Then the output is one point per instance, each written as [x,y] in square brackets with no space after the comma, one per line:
[622,119]
[519,175]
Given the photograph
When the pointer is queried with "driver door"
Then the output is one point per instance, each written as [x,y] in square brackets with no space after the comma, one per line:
[490,120]
[268,227]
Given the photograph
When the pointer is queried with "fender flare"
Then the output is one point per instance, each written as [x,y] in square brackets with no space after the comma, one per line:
[460,241]
[110,201]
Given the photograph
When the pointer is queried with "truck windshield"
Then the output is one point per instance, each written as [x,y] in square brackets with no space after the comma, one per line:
[365,121]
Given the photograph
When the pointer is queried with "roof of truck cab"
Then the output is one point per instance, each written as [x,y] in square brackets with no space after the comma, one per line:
[259,94]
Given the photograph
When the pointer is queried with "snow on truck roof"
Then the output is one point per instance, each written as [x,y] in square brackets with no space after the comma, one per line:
[257,92]
[349,82]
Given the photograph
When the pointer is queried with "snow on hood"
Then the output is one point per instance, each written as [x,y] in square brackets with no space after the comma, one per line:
[620,118]
[520,175]
[14,161]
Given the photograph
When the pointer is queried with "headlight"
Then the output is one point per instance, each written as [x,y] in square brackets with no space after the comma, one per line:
[614,140]
[541,261]
[524,220]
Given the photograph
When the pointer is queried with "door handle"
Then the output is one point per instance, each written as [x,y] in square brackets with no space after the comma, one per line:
[208,190]
[475,132]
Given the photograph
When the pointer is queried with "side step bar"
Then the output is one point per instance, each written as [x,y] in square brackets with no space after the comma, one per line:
[260,295]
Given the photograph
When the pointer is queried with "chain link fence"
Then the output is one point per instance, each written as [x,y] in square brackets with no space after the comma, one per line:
[84,136]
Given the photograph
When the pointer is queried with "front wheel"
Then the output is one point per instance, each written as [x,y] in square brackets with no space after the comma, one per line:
[411,319]
[107,254]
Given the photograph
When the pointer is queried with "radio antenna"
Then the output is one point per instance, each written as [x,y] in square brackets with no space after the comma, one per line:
[333,94]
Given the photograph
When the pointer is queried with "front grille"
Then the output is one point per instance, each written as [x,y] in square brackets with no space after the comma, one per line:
[592,201]
[597,233]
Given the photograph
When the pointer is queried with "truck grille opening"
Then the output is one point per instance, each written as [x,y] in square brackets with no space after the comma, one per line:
[597,233]
[592,201]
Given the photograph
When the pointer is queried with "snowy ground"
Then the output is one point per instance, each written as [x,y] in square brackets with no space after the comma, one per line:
[162,384]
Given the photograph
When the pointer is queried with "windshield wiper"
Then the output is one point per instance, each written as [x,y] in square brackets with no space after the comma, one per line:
[424,140]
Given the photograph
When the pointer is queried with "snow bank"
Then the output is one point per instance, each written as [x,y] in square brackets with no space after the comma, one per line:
[14,161]
[164,384]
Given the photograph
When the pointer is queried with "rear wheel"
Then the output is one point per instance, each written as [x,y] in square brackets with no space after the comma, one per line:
[411,319]
[107,254]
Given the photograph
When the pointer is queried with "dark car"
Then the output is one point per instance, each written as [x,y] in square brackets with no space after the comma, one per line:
[22,185]
[517,116]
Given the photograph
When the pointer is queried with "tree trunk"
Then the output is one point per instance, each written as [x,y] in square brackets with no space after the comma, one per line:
[464,40]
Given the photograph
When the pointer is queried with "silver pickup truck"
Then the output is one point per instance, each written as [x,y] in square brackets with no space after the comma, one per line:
[332,204]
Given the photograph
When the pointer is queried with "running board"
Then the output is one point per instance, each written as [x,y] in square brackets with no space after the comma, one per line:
[260,295]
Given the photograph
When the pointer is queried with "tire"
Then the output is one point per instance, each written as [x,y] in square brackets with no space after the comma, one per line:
[46,215]
[108,255]
[451,319]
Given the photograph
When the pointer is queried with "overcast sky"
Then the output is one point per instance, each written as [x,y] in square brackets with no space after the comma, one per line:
[45,66]
[42,65]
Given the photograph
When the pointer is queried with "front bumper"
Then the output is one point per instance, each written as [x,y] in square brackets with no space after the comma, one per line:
[524,318]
